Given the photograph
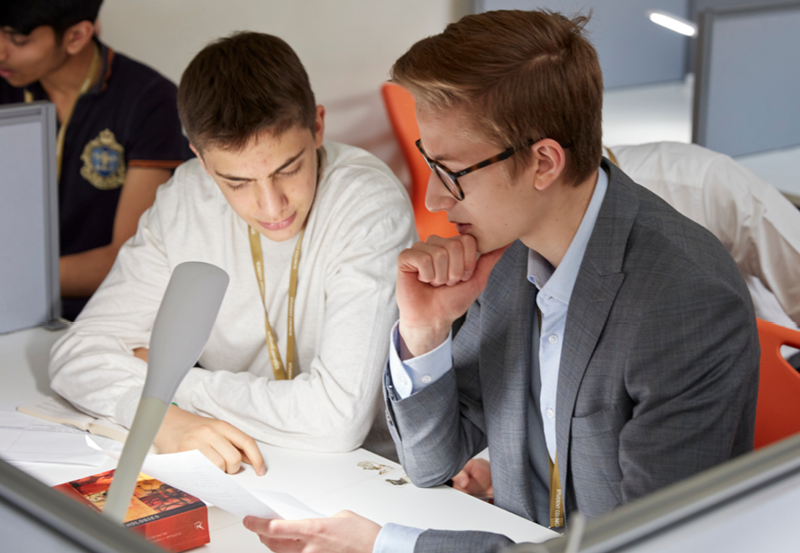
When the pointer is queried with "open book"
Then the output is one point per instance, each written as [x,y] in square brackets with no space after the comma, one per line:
[59,410]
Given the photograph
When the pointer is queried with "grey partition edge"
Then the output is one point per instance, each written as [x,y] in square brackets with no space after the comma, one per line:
[36,518]
[747,78]
[721,509]
[29,242]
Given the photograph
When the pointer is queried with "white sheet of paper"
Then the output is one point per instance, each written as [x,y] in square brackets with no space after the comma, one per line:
[193,473]
[286,505]
[27,439]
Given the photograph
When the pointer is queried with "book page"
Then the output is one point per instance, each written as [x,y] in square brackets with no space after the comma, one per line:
[58,410]
[26,439]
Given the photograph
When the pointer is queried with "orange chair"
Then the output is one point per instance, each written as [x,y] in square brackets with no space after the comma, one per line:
[778,409]
[400,107]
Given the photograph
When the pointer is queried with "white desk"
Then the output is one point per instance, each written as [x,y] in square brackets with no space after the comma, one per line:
[326,482]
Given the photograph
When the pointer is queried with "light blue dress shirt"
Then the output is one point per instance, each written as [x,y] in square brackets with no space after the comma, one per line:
[555,289]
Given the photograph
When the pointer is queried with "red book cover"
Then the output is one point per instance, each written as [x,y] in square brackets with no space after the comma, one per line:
[165,515]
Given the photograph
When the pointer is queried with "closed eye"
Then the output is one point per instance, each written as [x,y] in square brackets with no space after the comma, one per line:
[291,173]
[235,187]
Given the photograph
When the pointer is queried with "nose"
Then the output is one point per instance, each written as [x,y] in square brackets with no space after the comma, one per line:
[437,197]
[271,201]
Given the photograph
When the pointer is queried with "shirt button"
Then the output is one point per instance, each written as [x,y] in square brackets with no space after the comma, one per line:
[426,379]
[403,380]
[550,413]
[553,339]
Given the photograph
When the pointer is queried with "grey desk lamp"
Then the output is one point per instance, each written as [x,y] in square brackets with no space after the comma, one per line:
[180,332]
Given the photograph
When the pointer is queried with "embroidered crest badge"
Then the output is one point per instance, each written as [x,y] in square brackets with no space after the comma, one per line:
[104,162]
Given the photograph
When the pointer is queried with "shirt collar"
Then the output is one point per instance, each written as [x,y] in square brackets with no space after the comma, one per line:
[560,282]
[106,59]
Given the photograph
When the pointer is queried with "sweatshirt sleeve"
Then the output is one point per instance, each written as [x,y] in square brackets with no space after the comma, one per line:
[93,365]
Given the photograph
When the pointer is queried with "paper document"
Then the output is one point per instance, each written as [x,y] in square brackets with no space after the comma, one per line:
[194,474]
[27,439]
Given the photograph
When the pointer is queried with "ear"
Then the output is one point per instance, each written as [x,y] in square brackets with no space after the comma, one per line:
[319,126]
[199,157]
[77,37]
[549,161]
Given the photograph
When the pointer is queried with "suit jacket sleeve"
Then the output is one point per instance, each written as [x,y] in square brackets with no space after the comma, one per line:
[438,429]
[695,345]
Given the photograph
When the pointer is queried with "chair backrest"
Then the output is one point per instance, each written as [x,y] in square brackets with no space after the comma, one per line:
[778,409]
[400,107]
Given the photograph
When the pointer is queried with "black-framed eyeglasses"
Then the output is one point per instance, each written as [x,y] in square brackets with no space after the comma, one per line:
[450,179]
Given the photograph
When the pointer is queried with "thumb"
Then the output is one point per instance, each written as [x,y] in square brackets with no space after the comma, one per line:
[485,264]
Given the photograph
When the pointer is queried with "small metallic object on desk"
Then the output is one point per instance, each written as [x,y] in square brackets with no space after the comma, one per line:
[180,332]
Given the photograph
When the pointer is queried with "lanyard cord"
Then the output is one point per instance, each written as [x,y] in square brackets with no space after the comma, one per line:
[272,343]
[94,69]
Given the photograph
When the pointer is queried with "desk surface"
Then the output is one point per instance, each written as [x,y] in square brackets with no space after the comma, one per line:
[326,482]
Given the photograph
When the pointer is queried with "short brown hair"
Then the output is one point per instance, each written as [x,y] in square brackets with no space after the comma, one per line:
[521,75]
[240,86]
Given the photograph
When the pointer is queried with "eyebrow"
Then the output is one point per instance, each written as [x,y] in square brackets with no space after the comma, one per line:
[279,169]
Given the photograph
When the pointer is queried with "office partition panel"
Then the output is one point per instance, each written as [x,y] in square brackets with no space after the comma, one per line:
[751,503]
[747,85]
[632,49]
[29,286]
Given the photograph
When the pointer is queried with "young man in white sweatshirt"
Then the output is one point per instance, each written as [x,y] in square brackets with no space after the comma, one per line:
[265,187]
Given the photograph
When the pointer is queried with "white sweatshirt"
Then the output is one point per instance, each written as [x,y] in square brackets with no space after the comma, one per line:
[755,222]
[345,307]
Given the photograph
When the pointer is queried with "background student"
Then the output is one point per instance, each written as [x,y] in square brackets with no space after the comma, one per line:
[263,192]
[119,136]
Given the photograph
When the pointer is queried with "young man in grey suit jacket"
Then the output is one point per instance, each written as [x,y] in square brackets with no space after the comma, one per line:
[609,347]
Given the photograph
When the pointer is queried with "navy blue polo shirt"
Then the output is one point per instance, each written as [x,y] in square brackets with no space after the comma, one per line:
[129,118]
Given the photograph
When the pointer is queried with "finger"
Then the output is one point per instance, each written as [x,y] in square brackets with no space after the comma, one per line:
[212,455]
[460,481]
[295,529]
[417,263]
[263,527]
[431,262]
[283,546]
[470,246]
[230,455]
[486,263]
[248,448]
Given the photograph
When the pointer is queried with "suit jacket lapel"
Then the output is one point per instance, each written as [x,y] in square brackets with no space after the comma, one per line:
[596,287]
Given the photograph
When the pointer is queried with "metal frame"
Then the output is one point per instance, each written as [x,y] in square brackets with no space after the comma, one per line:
[705,24]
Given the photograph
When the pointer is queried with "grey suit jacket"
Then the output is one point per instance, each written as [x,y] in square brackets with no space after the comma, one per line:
[658,376]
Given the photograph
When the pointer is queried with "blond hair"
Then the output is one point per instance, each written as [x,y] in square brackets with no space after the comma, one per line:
[519,75]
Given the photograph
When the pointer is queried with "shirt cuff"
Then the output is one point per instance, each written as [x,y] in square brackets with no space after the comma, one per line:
[394,538]
[414,374]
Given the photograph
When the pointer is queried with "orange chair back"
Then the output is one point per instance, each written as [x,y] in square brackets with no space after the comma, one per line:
[400,107]
[778,409]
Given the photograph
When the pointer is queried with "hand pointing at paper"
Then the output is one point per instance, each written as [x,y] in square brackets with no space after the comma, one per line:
[222,443]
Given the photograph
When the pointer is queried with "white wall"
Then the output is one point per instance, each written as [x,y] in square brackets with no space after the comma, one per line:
[347,47]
